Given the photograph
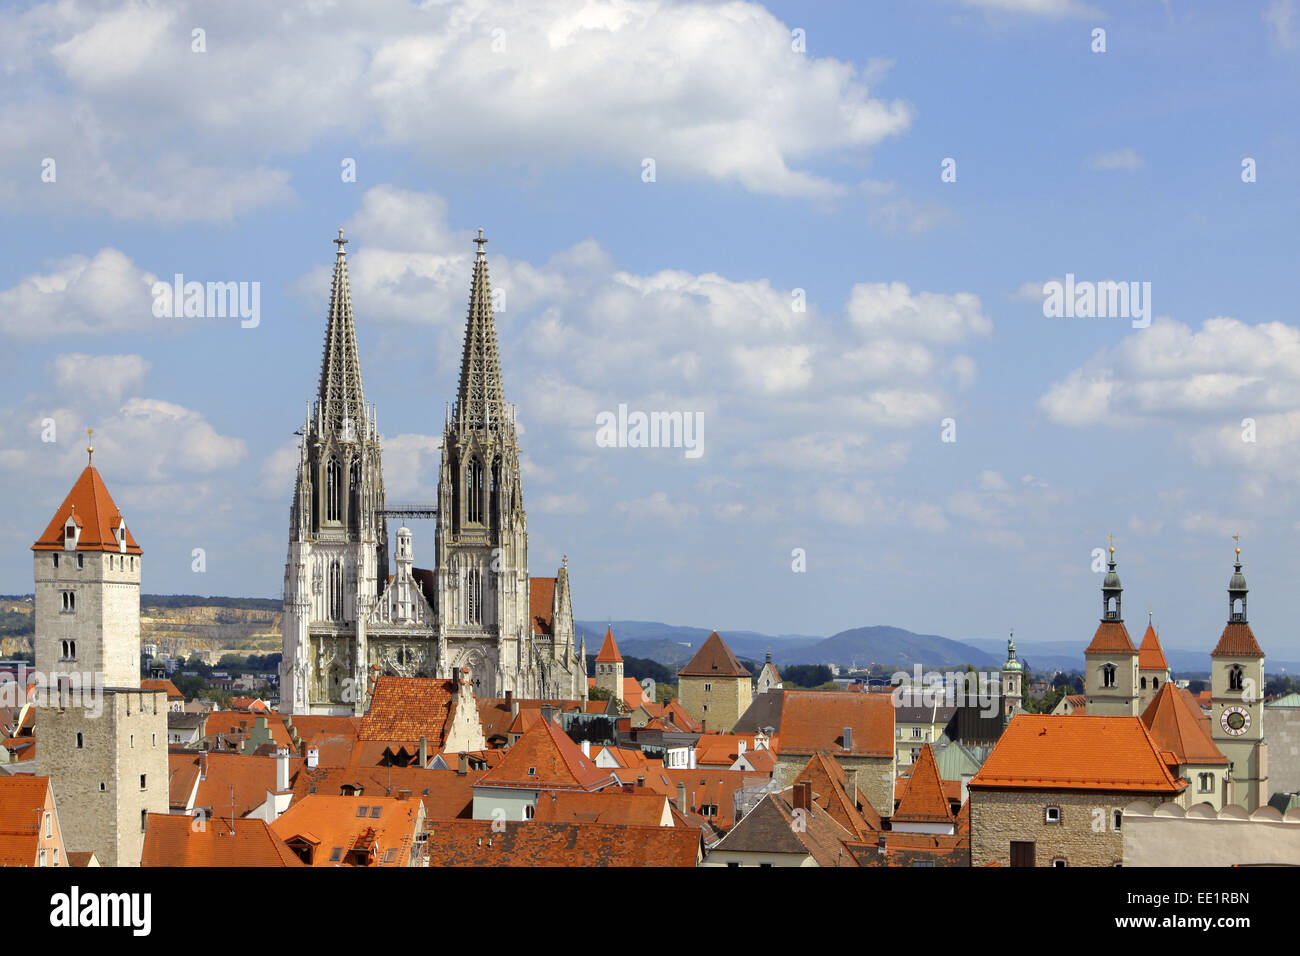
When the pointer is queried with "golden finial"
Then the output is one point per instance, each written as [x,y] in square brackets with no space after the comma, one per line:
[1237,539]
[90,445]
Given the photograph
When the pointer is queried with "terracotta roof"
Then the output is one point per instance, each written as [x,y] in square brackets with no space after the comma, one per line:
[721,750]
[1111,638]
[163,685]
[1043,752]
[770,828]
[339,834]
[1150,655]
[80,858]
[1177,725]
[22,810]
[924,800]
[408,708]
[814,721]
[633,695]
[763,760]
[714,659]
[446,795]
[545,758]
[534,844]
[609,649]
[251,776]
[1238,640]
[541,603]
[94,511]
[1078,703]
[172,840]
[853,812]
[495,712]
[644,808]
[704,787]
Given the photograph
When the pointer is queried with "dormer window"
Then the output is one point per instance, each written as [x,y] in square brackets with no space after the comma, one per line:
[70,535]
[120,534]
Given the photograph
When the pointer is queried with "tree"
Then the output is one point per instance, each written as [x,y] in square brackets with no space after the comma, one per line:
[598,693]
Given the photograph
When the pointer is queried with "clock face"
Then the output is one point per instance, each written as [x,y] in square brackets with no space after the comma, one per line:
[1235,720]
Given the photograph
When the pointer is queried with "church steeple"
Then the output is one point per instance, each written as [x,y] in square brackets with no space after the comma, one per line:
[480,399]
[1237,591]
[1112,592]
[341,404]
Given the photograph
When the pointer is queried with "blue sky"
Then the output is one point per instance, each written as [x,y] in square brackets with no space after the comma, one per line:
[775,170]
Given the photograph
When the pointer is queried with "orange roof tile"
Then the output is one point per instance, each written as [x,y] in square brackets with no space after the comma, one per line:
[924,800]
[633,695]
[163,685]
[93,510]
[852,811]
[1151,657]
[408,708]
[714,659]
[1111,638]
[814,721]
[446,795]
[227,782]
[1177,725]
[1238,640]
[172,840]
[609,649]
[534,844]
[541,603]
[704,786]
[337,833]
[1044,752]
[544,758]
[22,809]
[645,808]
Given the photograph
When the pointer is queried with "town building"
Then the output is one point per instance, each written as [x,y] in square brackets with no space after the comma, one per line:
[714,687]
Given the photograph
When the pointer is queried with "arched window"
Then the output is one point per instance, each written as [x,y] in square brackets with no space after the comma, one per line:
[1144,683]
[474,491]
[1235,678]
[494,508]
[334,593]
[473,596]
[354,492]
[333,490]
[1155,683]
[1108,673]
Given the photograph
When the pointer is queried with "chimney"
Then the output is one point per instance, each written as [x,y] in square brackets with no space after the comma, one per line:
[462,764]
[640,780]
[802,794]
[403,794]
[514,707]
[740,748]
[851,783]
[313,758]
[547,712]
[681,797]
[510,697]
[424,751]
[691,761]
[203,766]
[848,738]
[281,771]
[586,748]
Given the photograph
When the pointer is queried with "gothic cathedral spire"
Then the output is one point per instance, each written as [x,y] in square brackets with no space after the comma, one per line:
[480,399]
[341,402]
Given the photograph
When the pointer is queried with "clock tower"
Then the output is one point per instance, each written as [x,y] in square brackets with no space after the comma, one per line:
[1237,698]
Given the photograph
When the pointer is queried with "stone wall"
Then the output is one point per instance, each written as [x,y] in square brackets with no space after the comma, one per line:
[719,707]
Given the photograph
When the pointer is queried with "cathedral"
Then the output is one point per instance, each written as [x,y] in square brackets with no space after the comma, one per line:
[352,613]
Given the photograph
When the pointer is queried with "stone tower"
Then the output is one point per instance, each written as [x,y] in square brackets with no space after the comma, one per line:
[609,667]
[1237,698]
[1153,668]
[103,740]
[714,687]
[1013,677]
[338,542]
[482,531]
[1111,660]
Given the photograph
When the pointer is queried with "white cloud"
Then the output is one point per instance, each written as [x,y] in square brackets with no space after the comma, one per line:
[411,466]
[80,296]
[1126,158]
[99,378]
[1042,8]
[657,507]
[890,308]
[1281,20]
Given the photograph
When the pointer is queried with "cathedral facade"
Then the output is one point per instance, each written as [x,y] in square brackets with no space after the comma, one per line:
[351,614]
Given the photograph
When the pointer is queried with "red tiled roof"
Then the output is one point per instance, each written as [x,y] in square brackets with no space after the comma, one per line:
[609,650]
[1238,640]
[1150,655]
[446,795]
[704,787]
[714,659]
[924,800]
[172,840]
[554,760]
[541,603]
[250,776]
[330,823]
[644,808]
[1044,752]
[408,708]
[814,721]
[22,810]
[163,685]
[1177,725]
[93,510]
[852,811]
[534,844]
[633,695]
[1111,638]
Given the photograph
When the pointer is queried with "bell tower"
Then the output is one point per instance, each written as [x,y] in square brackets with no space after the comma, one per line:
[1111,660]
[338,540]
[1236,700]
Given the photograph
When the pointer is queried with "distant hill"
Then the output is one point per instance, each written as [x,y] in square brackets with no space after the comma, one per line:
[889,646]
[1068,656]
[673,645]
